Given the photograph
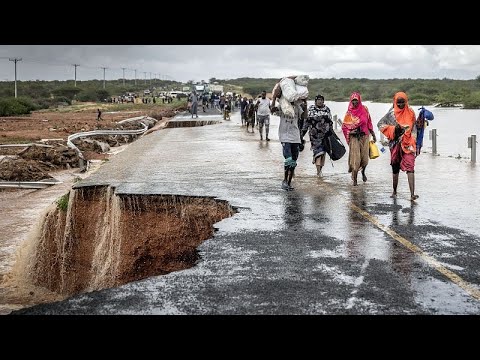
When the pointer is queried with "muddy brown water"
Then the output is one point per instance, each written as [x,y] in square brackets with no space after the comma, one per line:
[95,239]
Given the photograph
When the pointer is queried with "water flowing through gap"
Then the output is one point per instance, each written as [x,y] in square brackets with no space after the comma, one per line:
[98,239]
[191,123]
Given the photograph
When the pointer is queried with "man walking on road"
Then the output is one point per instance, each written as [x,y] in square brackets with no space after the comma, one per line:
[263,114]
[99,115]
[194,104]
[250,114]
[289,136]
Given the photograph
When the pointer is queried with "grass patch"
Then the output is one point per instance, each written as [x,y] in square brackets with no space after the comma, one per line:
[62,203]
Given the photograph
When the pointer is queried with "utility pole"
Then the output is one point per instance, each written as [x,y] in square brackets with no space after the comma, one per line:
[15,60]
[76,73]
[145,77]
[150,78]
[104,76]
[135,77]
[123,76]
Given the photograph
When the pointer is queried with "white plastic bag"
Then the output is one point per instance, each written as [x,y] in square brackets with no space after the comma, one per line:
[289,92]
[302,80]
[302,91]
[286,107]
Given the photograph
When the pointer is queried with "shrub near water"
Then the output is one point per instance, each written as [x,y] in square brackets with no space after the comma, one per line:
[12,106]
[62,203]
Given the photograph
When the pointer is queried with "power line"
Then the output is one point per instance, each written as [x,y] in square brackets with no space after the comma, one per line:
[87,67]
[104,68]
[76,73]
[15,60]
[123,76]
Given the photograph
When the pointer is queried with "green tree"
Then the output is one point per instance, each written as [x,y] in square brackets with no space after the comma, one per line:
[102,94]
[66,92]
[472,101]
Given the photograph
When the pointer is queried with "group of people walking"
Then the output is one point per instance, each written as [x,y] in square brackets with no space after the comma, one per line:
[397,125]
[260,110]
[317,120]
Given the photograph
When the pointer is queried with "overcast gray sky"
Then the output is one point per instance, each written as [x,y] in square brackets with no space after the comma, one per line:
[202,62]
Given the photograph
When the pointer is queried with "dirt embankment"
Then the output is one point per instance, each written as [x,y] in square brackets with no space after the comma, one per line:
[50,130]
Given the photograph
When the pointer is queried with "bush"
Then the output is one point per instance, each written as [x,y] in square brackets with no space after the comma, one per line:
[43,103]
[62,100]
[93,95]
[27,102]
[68,92]
[472,101]
[102,95]
[87,95]
[62,202]
[12,107]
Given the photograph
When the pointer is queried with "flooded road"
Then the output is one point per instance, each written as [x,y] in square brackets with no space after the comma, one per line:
[325,248]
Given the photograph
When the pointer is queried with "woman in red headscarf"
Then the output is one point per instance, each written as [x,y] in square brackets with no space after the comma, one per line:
[398,125]
[357,125]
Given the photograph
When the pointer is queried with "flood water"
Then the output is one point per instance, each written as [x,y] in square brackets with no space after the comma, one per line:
[454,126]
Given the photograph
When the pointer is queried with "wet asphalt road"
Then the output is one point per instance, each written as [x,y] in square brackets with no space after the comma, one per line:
[325,248]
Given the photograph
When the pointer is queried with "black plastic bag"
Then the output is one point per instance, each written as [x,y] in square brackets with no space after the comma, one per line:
[334,146]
